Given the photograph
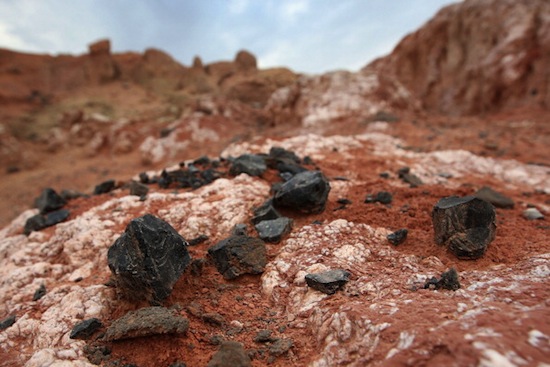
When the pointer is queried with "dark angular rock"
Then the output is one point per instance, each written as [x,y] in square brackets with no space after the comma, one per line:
[465,224]
[144,178]
[58,216]
[265,212]
[85,329]
[306,192]
[398,237]
[213,318]
[274,229]
[382,197]
[34,223]
[202,161]
[406,176]
[251,164]
[240,229]
[138,189]
[48,201]
[39,293]
[264,336]
[496,198]
[238,255]
[329,281]
[7,322]
[280,347]
[105,187]
[146,322]
[279,154]
[449,280]
[230,354]
[343,201]
[148,259]
[198,240]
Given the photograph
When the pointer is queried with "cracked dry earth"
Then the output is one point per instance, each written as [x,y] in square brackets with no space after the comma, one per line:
[382,316]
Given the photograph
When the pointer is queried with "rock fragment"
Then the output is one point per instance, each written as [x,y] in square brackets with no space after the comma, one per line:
[273,230]
[230,354]
[40,221]
[85,329]
[280,347]
[449,280]
[329,281]
[49,200]
[398,237]
[146,322]
[264,336]
[466,225]
[7,322]
[148,259]
[238,255]
[284,161]
[55,217]
[138,189]
[265,212]
[382,197]
[306,192]
[532,214]
[406,176]
[39,293]
[251,164]
[496,198]
[105,187]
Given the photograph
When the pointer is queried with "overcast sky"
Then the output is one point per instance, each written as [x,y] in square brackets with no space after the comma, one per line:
[310,36]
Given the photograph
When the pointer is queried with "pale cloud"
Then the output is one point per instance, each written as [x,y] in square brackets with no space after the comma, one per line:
[12,41]
[238,7]
[290,10]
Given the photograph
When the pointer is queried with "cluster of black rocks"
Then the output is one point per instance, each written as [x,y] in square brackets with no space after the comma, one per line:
[50,205]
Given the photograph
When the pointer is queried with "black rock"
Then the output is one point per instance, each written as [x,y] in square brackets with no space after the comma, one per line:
[406,176]
[449,280]
[39,293]
[202,161]
[58,216]
[198,240]
[384,175]
[264,336]
[284,161]
[146,322]
[286,176]
[265,212]
[238,255]
[48,201]
[34,223]
[280,347]
[138,189]
[85,329]
[496,198]
[274,229]
[240,229]
[144,178]
[251,164]
[382,197]
[230,354]
[105,187]
[398,237]
[7,322]
[343,201]
[148,259]
[306,192]
[329,281]
[465,224]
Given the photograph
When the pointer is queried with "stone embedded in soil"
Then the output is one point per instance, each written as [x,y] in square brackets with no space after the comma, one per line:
[238,255]
[280,347]
[85,329]
[198,240]
[398,237]
[284,161]
[7,322]
[532,214]
[146,322]
[49,200]
[449,280]
[251,164]
[148,259]
[329,281]
[406,176]
[306,192]
[264,336]
[138,189]
[39,221]
[273,230]
[105,187]
[39,293]
[382,197]
[265,212]
[466,225]
[230,354]
[496,198]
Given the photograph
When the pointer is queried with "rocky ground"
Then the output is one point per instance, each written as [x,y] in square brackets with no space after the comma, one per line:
[388,157]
